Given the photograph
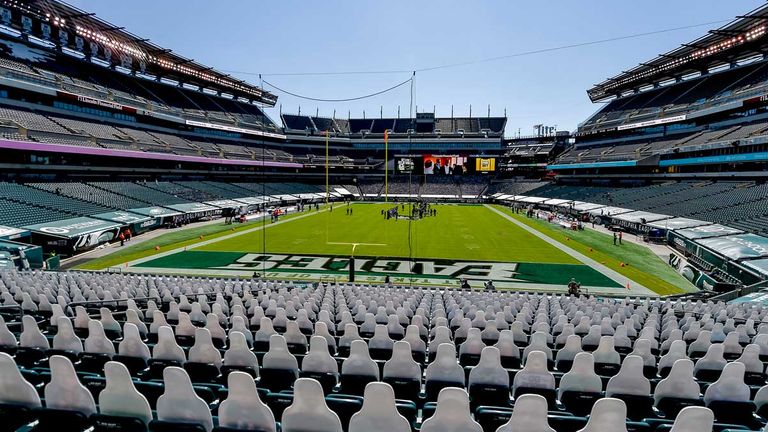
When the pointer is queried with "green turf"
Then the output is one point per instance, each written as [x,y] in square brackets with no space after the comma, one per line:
[460,232]
[641,264]
[172,240]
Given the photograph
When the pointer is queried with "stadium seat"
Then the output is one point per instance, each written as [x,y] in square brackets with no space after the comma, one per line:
[529,414]
[402,373]
[379,411]
[580,387]
[632,387]
[535,378]
[488,382]
[319,365]
[280,367]
[608,414]
[243,409]
[358,370]
[443,372]
[452,413]
[179,405]
[309,410]
[120,399]
[678,390]
[729,397]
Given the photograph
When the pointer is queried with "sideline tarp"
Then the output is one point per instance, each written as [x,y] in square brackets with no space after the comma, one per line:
[739,246]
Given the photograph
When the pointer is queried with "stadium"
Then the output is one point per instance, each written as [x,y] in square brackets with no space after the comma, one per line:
[180,253]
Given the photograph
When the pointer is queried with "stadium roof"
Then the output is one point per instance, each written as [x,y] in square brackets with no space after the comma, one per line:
[738,40]
[142,53]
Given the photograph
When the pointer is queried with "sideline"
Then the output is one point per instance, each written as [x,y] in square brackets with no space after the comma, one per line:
[634,287]
[217,239]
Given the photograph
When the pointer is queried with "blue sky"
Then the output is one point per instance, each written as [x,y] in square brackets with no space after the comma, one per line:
[289,36]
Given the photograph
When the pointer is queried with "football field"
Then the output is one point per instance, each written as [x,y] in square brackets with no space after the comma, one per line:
[473,242]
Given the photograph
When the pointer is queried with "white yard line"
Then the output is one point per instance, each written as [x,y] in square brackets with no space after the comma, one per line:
[634,287]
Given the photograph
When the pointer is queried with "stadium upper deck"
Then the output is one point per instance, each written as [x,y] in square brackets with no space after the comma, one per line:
[700,107]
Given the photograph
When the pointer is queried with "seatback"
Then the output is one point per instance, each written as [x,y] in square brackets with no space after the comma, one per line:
[538,342]
[31,336]
[534,374]
[630,379]
[166,347]
[582,376]
[712,360]
[571,348]
[319,359]
[158,320]
[97,342]
[132,345]
[679,383]
[65,338]
[309,410]
[489,370]
[120,397]
[452,413]
[402,365]
[445,367]
[606,352]
[529,415]
[238,353]
[179,403]
[359,361]
[7,338]
[730,386]
[380,339]
[65,392]
[203,350]
[750,356]
[243,409]
[14,389]
[278,356]
[694,419]
[379,411]
[676,352]
[608,414]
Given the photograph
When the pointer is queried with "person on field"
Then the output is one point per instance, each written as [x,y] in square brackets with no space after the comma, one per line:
[574,287]
[122,239]
[620,237]
[614,239]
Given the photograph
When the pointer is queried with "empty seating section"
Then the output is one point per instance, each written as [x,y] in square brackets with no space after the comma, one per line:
[28,195]
[86,192]
[191,353]
[444,125]
[88,128]
[140,192]
[739,204]
[358,125]
[212,189]
[183,192]
[59,130]
[495,124]
[404,125]
[324,124]
[297,122]
[139,93]
[382,124]
[32,121]
[515,187]
[636,150]
[17,214]
[446,186]
[687,96]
